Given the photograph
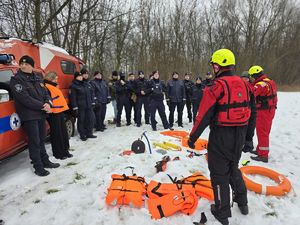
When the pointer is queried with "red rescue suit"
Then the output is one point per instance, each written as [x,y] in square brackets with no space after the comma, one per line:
[265,92]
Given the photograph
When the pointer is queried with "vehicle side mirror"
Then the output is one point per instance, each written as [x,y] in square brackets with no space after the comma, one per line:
[4,95]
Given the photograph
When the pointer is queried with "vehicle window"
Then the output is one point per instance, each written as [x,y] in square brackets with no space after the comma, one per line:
[5,76]
[68,67]
[81,66]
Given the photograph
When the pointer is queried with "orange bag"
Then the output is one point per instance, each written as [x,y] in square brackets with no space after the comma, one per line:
[126,190]
[184,201]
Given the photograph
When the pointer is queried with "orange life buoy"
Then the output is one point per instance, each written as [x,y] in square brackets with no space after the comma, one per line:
[283,187]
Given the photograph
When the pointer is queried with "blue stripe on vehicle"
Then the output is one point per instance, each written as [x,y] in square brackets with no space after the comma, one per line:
[5,124]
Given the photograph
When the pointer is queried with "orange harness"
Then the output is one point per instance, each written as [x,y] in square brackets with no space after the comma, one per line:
[126,190]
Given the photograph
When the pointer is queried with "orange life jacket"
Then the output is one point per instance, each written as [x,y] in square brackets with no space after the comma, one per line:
[234,106]
[59,103]
[167,205]
[126,190]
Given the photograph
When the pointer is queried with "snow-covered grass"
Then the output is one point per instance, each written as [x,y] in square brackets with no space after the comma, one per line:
[74,193]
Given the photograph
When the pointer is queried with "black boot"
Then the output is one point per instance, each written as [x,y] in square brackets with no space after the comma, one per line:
[223,221]
[41,172]
[244,209]
[260,158]
[91,136]
[51,165]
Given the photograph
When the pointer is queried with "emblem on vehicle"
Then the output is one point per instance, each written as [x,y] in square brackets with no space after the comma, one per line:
[15,121]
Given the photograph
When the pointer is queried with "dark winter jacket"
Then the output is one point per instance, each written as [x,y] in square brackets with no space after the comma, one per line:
[101,91]
[158,88]
[197,93]
[123,91]
[176,91]
[188,85]
[142,85]
[112,88]
[81,95]
[30,95]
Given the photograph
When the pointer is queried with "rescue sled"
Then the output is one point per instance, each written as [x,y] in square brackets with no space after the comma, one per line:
[175,133]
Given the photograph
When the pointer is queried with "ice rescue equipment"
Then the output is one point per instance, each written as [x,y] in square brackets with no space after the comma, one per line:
[138,146]
[162,164]
[167,146]
[184,201]
[126,190]
[202,185]
[233,107]
[283,187]
[175,133]
[200,144]
[59,103]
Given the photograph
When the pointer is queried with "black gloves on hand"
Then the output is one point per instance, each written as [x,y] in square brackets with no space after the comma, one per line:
[191,144]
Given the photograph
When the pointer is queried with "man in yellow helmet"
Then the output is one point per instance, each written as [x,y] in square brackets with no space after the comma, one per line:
[225,107]
[265,92]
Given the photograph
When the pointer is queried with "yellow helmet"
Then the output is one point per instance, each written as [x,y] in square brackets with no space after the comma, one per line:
[223,57]
[255,70]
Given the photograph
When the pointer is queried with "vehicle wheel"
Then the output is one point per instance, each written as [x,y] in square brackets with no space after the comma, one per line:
[70,126]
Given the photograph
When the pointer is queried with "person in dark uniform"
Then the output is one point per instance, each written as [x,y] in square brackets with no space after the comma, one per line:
[112,92]
[32,104]
[188,85]
[89,126]
[225,107]
[123,99]
[176,98]
[132,88]
[102,99]
[58,130]
[158,88]
[81,100]
[249,147]
[208,79]
[197,92]
[142,99]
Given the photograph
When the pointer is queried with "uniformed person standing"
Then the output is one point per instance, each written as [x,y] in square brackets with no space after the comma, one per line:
[102,99]
[81,101]
[188,85]
[158,88]
[176,98]
[225,107]
[32,104]
[197,92]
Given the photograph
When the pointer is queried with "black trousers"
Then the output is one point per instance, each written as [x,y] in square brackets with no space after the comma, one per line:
[142,100]
[123,102]
[133,107]
[172,106]
[86,120]
[160,107]
[58,135]
[195,110]
[36,132]
[100,113]
[188,105]
[224,152]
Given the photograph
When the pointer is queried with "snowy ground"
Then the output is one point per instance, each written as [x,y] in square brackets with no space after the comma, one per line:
[74,193]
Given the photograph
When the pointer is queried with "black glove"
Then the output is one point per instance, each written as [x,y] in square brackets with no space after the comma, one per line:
[191,144]
[75,113]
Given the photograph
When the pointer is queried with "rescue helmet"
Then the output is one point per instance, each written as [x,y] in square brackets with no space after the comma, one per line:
[223,57]
[255,70]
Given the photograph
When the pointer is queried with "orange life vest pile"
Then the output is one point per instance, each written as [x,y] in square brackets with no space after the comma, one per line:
[165,199]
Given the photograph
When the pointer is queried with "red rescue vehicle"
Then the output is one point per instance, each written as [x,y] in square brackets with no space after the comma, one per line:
[47,57]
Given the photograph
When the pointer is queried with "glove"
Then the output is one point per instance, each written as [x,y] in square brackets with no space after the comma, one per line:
[191,144]
[75,113]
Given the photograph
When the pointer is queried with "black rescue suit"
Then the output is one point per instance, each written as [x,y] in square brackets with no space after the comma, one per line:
[225,106]
[30,95]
